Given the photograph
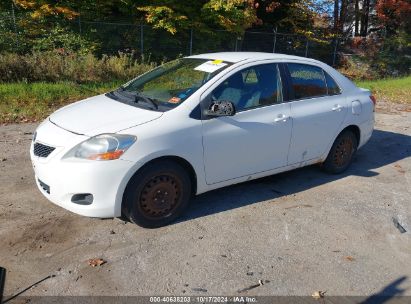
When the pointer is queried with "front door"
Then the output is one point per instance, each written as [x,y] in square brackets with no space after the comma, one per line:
[257,137]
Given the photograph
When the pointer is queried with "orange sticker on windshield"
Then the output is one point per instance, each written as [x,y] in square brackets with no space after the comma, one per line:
[174,100]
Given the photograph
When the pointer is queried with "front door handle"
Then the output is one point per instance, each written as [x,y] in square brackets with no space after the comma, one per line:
[337,108]
[281,118]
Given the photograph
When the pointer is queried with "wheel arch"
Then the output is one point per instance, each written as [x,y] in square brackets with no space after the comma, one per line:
[355,129]
[179,160]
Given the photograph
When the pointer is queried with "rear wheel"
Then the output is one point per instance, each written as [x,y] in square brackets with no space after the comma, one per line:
[157,194]
[341,153]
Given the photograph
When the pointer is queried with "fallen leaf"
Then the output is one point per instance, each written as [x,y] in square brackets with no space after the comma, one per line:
[96,262]
[349,258]
[399,168]
[318,294]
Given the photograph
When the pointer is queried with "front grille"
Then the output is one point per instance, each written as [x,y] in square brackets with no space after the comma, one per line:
[42,150]
[44,186]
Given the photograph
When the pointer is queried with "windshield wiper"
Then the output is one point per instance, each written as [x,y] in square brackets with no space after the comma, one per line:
[136,97]
[146,99]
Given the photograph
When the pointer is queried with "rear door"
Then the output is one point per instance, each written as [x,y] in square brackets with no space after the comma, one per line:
[317,111]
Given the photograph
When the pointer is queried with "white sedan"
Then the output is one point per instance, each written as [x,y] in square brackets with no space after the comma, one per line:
[196,124]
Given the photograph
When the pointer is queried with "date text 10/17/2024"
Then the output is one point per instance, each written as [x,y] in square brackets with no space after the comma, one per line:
[203,299]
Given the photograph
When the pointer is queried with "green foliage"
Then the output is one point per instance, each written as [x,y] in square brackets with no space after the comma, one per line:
[232,15]
[173,15]
[389,57]
[391,89]
[393,58]
[22,102]
[11,33]
[357,68]
[163,17]
[67,27]
[64,40]
[53,66]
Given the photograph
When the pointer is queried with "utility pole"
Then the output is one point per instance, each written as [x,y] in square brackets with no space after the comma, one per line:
[13,16]
[191,42]
[142,40]
[275,38]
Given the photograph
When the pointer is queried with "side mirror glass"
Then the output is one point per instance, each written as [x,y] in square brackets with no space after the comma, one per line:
[221,108]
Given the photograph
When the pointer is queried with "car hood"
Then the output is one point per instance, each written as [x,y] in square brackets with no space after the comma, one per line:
[101,114]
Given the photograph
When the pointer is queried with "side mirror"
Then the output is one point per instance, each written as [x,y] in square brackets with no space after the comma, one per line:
[221,108]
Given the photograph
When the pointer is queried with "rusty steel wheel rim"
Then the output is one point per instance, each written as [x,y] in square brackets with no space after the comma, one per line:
[160,196]
[343,152]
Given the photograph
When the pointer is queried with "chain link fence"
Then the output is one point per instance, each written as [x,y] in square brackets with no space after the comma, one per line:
[159,45]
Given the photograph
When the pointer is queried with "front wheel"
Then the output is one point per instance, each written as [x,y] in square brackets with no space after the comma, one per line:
[341,153]
[157,194]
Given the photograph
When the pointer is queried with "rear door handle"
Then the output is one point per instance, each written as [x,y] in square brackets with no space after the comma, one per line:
[281,118]
[337,108]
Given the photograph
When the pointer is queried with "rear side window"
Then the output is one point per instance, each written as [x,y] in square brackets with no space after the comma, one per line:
[332,86]
[307,81]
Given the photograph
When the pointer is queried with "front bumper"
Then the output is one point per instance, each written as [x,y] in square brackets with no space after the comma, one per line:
[60,179]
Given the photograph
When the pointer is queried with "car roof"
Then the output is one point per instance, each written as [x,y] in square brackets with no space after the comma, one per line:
[235,57]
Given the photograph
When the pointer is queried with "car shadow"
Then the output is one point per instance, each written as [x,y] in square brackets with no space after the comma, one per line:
[387,293]
[384,148]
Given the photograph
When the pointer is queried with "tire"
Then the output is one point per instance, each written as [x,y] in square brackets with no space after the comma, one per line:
[340,156]
[157,194]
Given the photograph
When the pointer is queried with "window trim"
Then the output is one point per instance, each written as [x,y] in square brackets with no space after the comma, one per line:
[339,87]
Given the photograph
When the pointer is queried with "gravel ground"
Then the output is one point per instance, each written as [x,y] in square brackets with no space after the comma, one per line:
[299,232]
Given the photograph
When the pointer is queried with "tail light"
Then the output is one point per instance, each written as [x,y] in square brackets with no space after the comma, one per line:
[374,100]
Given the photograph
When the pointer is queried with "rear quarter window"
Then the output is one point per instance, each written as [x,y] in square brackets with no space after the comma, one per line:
[307,81]
[332,86]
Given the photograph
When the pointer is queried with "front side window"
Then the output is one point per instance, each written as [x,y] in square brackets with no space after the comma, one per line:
[307,81]
[252,87]
[170,84]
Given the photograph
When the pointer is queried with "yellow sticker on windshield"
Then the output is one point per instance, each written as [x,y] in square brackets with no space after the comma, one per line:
[211,66]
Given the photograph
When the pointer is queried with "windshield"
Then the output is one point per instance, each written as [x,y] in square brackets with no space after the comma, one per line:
[170,84]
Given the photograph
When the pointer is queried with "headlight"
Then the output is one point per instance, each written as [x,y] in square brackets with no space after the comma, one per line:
[102,147]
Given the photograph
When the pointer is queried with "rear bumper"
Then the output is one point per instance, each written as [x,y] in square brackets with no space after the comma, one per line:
[366,130]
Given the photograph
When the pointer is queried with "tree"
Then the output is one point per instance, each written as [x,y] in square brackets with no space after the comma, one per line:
[394,15]
[42,8]
[336,15]
[365,18]
[357,18]
[289,16]
[173,15]
[352,14]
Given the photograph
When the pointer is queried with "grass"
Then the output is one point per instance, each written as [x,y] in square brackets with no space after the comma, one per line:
[27,102]
[397,90]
